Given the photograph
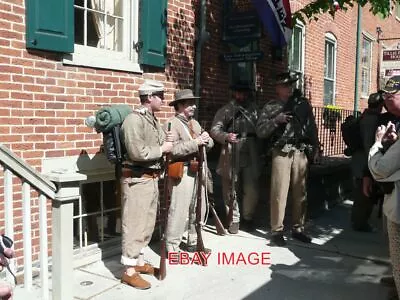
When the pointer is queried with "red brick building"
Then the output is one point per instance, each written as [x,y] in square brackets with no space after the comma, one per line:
[55,70]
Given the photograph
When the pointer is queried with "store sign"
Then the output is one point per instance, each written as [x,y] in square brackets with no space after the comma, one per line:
[390,55]
[242,56]
[241,26]
[392,72]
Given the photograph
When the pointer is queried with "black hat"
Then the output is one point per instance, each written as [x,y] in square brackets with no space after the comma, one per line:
[392,86]
[239,87]
[286,78]
[375,99]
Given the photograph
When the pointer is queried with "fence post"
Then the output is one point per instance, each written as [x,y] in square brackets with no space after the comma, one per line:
[68,190]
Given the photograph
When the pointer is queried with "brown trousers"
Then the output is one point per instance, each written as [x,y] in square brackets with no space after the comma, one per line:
[139,211]
[289,170]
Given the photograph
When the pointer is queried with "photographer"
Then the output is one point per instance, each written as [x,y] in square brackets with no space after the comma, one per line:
[289,125]
[384,164]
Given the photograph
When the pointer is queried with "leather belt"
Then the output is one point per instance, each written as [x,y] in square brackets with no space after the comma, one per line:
[140,174]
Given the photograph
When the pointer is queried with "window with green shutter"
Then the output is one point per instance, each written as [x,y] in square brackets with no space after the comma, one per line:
[50,25]
[153,32]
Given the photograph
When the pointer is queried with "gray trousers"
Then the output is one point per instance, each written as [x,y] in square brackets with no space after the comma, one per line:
[394,247]
[289,170]
[250,193]
[139,211]
[182,208]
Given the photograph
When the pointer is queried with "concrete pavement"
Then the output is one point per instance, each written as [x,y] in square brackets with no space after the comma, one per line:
[340,264]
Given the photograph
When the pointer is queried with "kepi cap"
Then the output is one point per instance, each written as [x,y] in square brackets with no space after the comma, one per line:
[150,86]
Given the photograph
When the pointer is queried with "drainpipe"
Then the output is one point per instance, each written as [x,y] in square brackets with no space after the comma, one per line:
[202,36]
[356,79]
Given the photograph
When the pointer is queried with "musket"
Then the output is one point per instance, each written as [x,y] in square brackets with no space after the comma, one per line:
[218,224]
[200,244]
[164,217]
[233,195]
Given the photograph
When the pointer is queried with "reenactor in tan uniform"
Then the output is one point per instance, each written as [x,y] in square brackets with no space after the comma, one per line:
[234,127]
[145,143]
[289,124]
[188,137]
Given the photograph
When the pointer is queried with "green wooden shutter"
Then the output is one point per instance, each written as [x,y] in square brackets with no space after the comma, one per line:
[50,25]
[153,32]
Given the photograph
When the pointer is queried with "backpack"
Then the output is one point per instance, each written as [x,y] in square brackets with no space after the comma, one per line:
[109,121]
[351,134]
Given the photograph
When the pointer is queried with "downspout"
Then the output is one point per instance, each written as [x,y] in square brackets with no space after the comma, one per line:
[201,38]
[356,79]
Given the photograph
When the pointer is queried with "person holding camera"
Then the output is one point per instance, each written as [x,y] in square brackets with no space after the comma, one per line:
[182,173]
[384,164]
[288,124]
[234,127]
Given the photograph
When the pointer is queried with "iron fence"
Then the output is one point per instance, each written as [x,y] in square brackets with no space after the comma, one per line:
[328,122]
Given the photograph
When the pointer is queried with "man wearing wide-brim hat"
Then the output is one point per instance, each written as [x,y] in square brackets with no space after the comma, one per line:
[234,127]
[188,138]
[289,125]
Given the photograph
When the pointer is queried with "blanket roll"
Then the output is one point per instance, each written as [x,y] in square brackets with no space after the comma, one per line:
[108,117]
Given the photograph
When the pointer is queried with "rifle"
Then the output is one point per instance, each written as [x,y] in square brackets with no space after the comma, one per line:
[164,216]
[233,196]
[218,224]
[200,244]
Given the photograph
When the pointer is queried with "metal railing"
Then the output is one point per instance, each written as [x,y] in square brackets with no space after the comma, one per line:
[329,122]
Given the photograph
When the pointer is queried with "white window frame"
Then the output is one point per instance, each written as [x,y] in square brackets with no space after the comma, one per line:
[300,26]
[127,60]
[369,68]
[330,38]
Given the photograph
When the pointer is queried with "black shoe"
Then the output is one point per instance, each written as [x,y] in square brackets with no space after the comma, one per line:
[298,235]
[387,281]
[193,248]
[278,240]
[233,228]
[247,225]
[364,228]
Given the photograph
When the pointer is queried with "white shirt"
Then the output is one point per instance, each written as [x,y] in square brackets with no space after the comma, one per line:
[386,168]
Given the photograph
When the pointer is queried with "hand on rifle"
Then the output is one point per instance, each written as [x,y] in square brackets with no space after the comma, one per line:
[168,144]
[203,139]
[283,118]
[232,138]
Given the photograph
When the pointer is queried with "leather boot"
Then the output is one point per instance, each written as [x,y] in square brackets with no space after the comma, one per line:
[136,281]
[145,269]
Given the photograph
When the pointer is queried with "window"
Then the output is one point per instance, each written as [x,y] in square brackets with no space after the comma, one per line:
[330,69]
[97,215]
[104,33]
[366,66]
[111,34]
[296,53]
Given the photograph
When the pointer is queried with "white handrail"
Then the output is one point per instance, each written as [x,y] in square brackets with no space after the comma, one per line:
[29,174]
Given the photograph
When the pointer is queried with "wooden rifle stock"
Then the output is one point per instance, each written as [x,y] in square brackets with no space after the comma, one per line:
[218,224]
[200,244]
[164,220]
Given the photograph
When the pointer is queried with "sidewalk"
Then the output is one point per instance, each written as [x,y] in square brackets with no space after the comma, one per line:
[340,264]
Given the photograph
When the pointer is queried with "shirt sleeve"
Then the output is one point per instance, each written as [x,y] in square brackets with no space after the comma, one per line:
[266,124]
[137,147]
[385,167]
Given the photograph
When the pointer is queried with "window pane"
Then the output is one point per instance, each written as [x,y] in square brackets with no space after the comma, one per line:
[295,50]
[100,24]
[328,91]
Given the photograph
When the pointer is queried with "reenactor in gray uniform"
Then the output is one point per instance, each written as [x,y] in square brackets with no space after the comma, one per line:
[188,137]
[145,143]
[234,127]
[289,124]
